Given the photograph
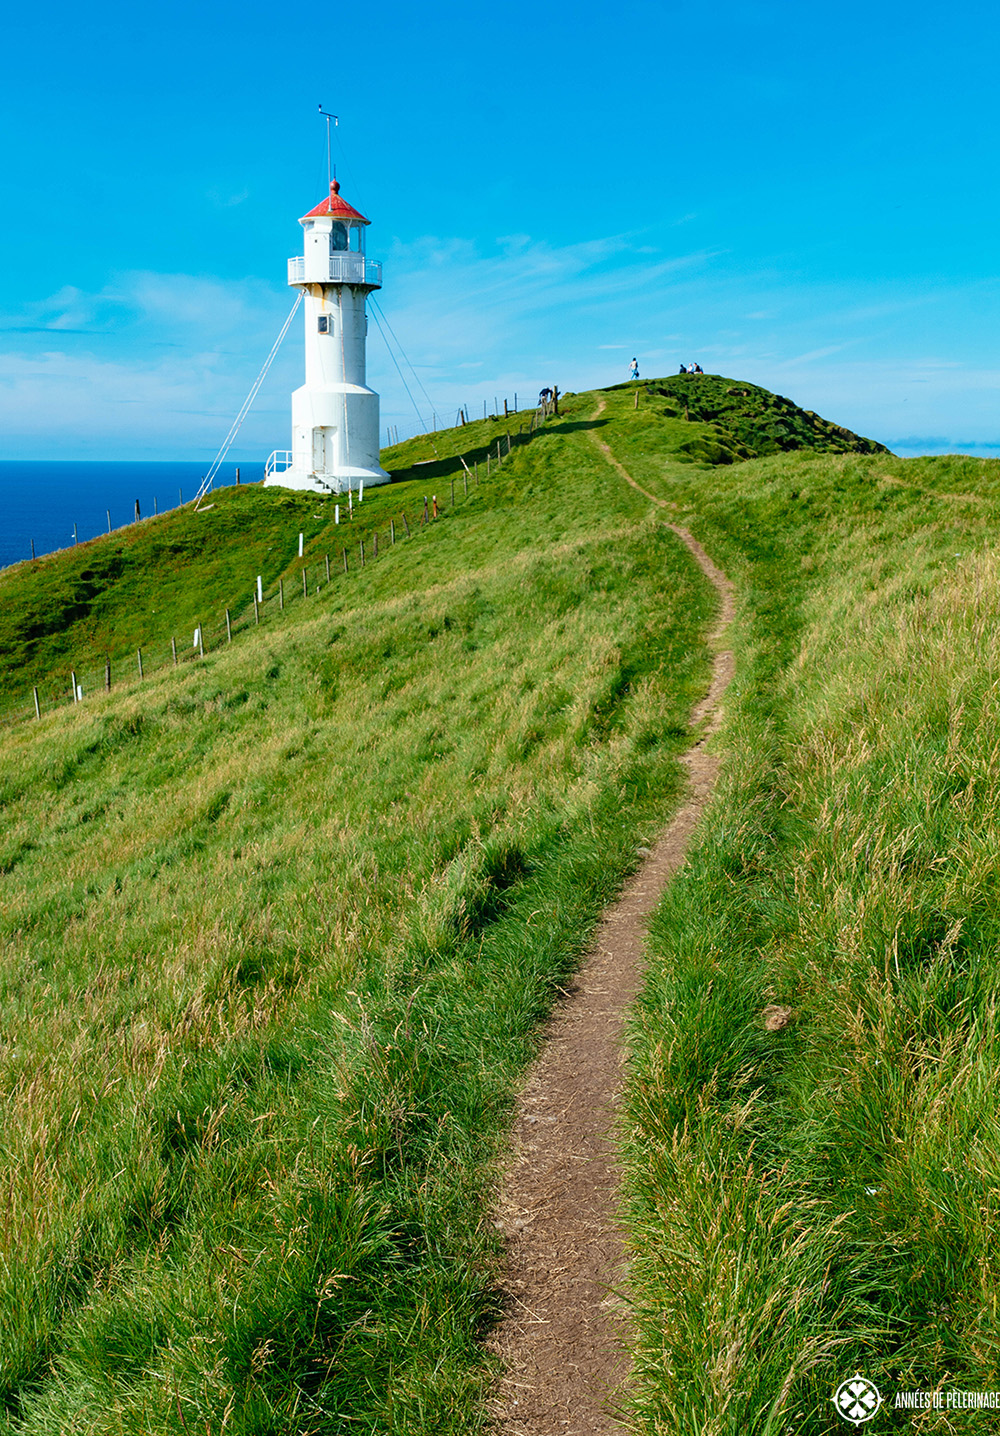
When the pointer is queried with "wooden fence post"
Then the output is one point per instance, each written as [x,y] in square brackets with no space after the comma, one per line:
[229,628]
[361,545]
[374,545]
[173,649]
[345,560]
[327,556]
[138,654]
[256,608]
[72,679]
[107,674]
[281,594]
[392,531]
[453,493]
[305,590]
[38,711]
[201,644]
[406,526]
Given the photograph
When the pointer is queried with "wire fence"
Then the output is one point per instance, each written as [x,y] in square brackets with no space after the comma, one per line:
[214,630]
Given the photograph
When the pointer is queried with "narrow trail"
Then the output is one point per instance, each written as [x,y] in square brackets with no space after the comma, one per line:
[563,1344]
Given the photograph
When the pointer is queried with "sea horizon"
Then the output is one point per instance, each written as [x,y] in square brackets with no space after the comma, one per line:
[42,499]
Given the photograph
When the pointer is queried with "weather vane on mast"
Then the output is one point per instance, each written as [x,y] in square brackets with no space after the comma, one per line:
[336,121]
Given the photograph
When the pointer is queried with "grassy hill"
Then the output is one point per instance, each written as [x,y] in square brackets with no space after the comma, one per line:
[279,925]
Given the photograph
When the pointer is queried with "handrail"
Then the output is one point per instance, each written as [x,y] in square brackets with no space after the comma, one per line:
[337,269]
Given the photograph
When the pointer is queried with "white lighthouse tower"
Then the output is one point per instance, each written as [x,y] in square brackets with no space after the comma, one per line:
[335,423]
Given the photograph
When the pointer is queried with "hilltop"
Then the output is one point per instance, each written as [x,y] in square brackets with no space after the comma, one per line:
[744,421]
[281,926]
[163,577]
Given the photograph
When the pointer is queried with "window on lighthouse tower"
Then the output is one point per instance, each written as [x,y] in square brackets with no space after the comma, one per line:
[338,236]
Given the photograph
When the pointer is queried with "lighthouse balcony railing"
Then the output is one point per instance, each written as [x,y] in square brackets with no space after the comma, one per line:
[338,269]
[279,463]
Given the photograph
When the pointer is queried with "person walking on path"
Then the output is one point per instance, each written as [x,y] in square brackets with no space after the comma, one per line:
[633,372]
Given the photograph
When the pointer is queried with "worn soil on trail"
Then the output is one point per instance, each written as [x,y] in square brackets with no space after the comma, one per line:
[563,1340]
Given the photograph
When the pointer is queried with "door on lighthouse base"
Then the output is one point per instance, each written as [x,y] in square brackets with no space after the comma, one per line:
[323,454]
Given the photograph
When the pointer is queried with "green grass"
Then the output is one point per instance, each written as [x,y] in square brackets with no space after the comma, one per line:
[278,928]
[163,577]
[821,1199]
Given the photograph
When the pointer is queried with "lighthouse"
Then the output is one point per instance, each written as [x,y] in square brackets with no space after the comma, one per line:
[335,423]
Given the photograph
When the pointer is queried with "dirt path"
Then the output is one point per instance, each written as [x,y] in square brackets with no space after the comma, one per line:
[562,1343]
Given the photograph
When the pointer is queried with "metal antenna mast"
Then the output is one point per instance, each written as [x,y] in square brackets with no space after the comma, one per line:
[336,121]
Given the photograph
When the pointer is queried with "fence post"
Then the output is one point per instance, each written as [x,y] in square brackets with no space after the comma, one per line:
[375,545]
[305,591]
[406,526]
[327,557]
[72,679]
[32,542]
[281,594]
[74,533]
[107,674]
[138,654]
[362,548]
[345,561]
[38,711]
[229,628]
[465,483]
[173,649]
[201,645]
[108,512]
[424,519]
[434,501]
[392,531]
[256,608]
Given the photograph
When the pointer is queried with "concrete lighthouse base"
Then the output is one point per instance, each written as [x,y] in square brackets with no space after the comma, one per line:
[334,442]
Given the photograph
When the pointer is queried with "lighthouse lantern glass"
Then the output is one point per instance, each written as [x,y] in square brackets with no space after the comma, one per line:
[338,237]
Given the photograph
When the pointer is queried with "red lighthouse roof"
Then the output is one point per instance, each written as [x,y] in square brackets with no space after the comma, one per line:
[335,206]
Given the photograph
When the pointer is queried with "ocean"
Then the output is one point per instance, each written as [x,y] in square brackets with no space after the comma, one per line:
[40,501]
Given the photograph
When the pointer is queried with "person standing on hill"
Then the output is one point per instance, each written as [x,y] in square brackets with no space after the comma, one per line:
[633,372]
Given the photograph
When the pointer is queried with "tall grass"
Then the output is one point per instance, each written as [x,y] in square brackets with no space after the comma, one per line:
[814,1142]
[277,930]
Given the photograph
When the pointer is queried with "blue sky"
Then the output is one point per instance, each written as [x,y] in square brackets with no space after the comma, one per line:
[803,197]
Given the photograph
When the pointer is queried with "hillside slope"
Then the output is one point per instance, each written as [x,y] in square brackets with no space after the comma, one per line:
[279,926]
[277,931]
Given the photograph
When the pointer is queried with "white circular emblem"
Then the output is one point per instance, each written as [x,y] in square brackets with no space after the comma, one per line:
[857,1399]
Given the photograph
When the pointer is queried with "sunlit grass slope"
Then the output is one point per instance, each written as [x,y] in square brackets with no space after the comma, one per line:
[276,932]
[814,1109]
[161,578]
